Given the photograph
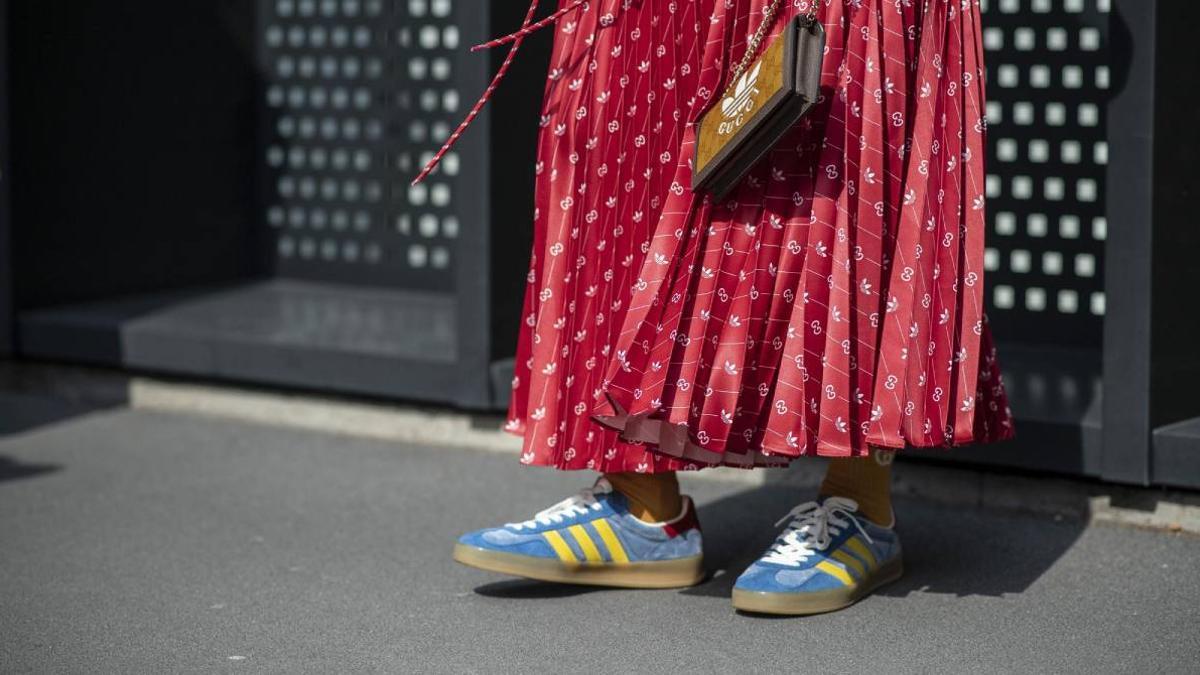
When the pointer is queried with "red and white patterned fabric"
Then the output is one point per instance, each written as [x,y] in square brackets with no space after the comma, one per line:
[832,302]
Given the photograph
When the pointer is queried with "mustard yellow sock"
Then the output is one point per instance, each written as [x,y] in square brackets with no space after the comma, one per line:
[866,480]
[653,497]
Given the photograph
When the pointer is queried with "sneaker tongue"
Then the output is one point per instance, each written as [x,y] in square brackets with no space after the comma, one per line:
[602,486]
[836,501]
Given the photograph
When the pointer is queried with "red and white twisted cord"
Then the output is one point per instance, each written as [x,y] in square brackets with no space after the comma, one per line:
[516,38]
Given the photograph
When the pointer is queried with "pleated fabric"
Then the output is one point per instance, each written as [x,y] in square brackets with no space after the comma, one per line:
[831,303]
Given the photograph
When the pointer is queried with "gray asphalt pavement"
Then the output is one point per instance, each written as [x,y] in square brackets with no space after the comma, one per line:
[147,542]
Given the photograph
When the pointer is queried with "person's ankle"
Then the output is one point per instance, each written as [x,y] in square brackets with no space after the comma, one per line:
[650,499]
[654,513]
[880,517]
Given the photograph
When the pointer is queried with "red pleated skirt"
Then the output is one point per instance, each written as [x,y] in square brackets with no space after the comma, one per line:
[831,303]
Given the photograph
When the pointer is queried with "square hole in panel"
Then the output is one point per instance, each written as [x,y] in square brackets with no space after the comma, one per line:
[1056,114]
[994,186]
[1022,187]
[1103,6]
[1036,225]
[1085,265]
[1024,39]
[1019,260]
[1070,152]
[1085,190]
[1068,301]
[1039,150]
[1040,6]
[1102,77]
[1073,6]
[1052,263]
[1068,227]
[418,68]
[1039,76]
[1056,39]
[440,195]
[1006,150]
[993,38]
[1089,39]
[1003,296]
[1088,114]
[429,37]
[1097,303]
[418,255]
[995,112]
[991,259]
[1053,188]
[1072,77]
[1008,76]
[428,225]
[1035,299]
[1100,152]
[1023,112]
[441,68]
[1010,6]
[1006,223]
[417,194]
[405,225]
[1099,228]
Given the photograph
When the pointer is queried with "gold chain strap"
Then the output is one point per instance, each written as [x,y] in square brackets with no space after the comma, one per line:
[756,40]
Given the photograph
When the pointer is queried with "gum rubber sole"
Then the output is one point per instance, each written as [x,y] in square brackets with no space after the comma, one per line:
[817,602]
[652,574]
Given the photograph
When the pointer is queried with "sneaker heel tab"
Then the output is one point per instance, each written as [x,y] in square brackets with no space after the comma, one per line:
[687,519]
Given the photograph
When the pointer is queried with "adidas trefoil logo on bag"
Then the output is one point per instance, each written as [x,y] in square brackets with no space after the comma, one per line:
[739,102]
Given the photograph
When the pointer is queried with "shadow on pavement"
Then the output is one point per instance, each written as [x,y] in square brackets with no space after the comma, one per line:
[20,412]
[947,549]
[11,469]
[528,589]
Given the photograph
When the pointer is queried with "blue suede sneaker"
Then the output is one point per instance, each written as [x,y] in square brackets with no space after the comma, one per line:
[826,558]
[592,538]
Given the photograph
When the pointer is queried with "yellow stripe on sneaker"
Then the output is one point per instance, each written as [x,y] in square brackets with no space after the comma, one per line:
[615,549]
[835,572]
[560,546]
[850,562]
[860,549]
[585,543]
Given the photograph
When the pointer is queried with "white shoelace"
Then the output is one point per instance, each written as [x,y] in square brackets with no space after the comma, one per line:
[571,506]
[812,528]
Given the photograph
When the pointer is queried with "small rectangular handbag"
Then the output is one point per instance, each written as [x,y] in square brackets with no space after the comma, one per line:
[765,99]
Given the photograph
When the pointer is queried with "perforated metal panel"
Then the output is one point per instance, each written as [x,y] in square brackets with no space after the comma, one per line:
[5,224]
[356,94]
[1048,83]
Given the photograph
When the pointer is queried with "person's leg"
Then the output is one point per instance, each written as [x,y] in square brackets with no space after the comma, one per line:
[866,480]
[653,498]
